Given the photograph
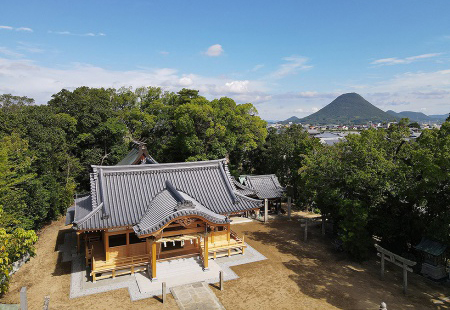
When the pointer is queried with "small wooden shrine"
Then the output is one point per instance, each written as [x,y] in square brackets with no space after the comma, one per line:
[434,258]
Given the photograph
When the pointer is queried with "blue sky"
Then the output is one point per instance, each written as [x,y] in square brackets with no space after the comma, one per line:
[286,57]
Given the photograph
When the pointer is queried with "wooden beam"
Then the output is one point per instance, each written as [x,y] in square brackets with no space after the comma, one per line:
[128,243]
[177,232]
[106,242]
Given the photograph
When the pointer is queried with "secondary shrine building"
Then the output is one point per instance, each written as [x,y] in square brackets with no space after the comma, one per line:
[143,212]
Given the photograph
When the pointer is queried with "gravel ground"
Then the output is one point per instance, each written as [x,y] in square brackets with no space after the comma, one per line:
[296,275]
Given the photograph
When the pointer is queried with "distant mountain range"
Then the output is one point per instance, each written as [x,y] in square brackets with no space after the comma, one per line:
[418,116]
[348,108]
[352,108]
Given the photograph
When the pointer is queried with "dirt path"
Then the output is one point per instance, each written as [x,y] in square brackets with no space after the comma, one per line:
[297,275]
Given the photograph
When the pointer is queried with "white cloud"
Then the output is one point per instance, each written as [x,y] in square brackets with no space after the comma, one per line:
[7,52]
[257,67]
[24,29]
[88,34]
[299,110]
[31,48]
[314,109]
[238,87]
[293,66]
[407,60]
[26,78]
[214,50]
[185,81]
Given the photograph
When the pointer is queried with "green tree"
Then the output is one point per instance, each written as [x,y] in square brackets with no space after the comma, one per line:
[283,154]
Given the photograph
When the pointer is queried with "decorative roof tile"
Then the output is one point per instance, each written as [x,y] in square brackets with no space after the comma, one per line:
[127,192]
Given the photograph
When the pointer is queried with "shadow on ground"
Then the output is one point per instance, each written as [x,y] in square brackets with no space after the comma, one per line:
[323,273]
[61,268]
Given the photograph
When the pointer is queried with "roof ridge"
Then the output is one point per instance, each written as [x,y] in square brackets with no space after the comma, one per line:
[190,164]
[89,215]
[247,198]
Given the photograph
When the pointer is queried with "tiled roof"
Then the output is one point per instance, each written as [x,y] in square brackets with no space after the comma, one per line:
[242,189]
[122,195]
[431,247]
[135,155]
[169,205]
[266,186]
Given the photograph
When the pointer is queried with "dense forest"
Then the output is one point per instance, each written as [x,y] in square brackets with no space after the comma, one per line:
[376,183]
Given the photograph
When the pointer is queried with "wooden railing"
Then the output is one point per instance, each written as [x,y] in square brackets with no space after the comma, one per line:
[222,247]
[122,262]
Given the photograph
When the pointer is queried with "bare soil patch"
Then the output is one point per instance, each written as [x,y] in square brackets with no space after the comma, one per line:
[296,275]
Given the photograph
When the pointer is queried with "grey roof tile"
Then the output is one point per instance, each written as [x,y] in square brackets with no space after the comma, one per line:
[135,155]
[166,206]
[129,191]
[242,189]
[266,186]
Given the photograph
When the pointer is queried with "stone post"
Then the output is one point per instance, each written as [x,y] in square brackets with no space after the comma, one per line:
[164,293]
[221,279]
[405,279]
[266,210]
[46,303]
[23,298]
[383,306]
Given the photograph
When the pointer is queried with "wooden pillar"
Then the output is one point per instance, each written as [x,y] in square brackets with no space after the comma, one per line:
[148,246]
[228,232]
[205,257]
[128,243]
[212,234]
[266,210]
[306,230]
[153,260]
[289,205]
[78,242]
[106,242]
[382,265]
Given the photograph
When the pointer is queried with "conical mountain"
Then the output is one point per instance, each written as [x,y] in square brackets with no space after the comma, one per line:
[349,108]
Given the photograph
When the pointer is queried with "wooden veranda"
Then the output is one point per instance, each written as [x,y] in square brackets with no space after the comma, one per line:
[109,262]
